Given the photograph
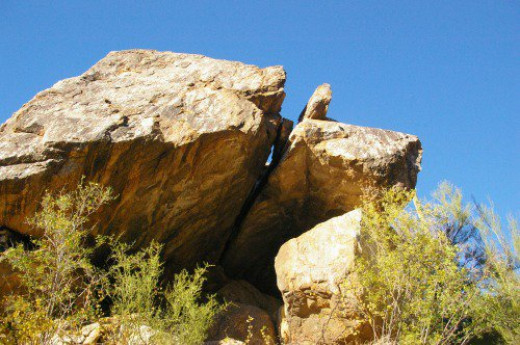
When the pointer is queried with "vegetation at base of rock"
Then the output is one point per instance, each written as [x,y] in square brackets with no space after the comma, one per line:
[179,318]
[59,282]
[410,285]
[62,290]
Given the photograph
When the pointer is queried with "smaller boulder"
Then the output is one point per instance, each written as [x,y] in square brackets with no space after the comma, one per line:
[91,333]
[227,341]
[240,291]
[310,271]
[87,335]
[246,323]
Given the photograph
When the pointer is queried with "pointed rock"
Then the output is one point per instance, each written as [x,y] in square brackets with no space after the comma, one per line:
[318,105]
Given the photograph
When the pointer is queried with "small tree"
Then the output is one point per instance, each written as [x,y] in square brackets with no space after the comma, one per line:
[58,280]
[409,284]
[142,311]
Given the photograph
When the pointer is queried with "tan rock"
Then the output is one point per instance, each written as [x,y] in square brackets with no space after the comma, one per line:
[321,175]
[310,272]
[318,105]
[227,341]
[91,333]
[245,323]
[240,291]
[181,139]
[87,335]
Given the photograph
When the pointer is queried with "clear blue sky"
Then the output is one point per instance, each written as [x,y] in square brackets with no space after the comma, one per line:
[447,71]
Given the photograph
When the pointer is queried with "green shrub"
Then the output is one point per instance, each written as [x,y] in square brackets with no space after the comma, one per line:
[176,315]
[58,280]
[500,304]
[436,272]
[409,284]
[62,290]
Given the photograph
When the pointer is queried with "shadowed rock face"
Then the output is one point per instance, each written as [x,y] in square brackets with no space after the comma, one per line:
[180,138]
[320,176]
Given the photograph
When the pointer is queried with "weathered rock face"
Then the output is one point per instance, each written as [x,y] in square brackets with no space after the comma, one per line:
[310,271]
[321,175]
[180,138]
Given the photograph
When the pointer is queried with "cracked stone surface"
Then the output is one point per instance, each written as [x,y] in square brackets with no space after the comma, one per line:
[320,176]
[180,138]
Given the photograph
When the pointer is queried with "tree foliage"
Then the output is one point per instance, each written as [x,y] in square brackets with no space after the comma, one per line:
[500,303]
[430,273]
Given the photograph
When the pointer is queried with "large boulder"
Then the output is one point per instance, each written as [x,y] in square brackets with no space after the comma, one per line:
[321,175]
[311,270]
[182,140]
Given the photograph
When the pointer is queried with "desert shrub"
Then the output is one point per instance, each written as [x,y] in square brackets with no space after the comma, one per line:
[410,286]
[61,290]
[190,319]
[57,278]
[177,315]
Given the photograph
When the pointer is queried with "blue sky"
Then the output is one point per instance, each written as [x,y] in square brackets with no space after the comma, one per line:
[447,71]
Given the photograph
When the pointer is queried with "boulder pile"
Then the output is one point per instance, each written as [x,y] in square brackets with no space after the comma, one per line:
[202,161]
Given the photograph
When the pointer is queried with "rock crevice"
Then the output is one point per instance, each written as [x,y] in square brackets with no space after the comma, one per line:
[278,148]
[321,175]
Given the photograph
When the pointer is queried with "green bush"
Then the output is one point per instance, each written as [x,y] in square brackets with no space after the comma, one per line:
[409,285]
[61,290]
[176,315]
[58,281]
[500,304]
[413,283]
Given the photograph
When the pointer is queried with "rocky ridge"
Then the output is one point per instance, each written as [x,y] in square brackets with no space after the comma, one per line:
[183,140]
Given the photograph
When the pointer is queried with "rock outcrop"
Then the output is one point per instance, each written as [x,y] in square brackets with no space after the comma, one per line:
[320,176]
[311,270]
[182,140]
